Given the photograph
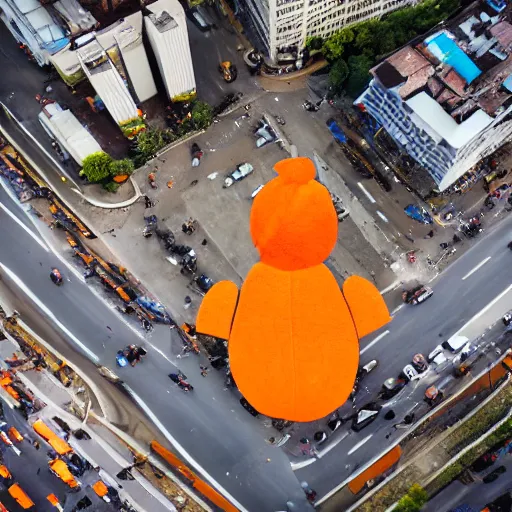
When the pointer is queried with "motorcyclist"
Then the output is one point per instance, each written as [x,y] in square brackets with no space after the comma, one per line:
[56,276]
[134,354]
[179,379]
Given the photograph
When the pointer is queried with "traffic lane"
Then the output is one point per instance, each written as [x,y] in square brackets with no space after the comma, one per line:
[30,469]
[477,494]
[199,427]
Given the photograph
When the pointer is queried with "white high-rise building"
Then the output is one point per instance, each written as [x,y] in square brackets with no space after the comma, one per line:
[278,24]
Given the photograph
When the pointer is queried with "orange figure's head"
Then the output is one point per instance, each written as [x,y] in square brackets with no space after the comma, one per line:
[293,221]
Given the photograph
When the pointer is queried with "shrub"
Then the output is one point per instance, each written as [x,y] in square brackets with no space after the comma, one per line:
[413,501]
[148,144]
[202,115]
[111,186]
[121,167]
[96,167]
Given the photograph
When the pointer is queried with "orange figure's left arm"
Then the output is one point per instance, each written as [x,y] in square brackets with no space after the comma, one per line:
[217,310]
[366,304]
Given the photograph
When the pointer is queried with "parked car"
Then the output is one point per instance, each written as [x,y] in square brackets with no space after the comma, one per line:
[336,131]
[199,20]
[455,343]
[391,388]
[417,295]
[494,475]
[241,172]
[418,213]
[365,415]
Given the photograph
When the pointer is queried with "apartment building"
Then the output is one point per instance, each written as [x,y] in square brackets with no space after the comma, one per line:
[279,24]
[446,100]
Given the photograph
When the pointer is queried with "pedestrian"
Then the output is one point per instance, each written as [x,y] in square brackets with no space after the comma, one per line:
[147,202]
[310,493]
[36,445]
[305,446]
[204,370]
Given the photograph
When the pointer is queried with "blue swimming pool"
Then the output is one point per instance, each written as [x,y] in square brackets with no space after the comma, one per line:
[447,51]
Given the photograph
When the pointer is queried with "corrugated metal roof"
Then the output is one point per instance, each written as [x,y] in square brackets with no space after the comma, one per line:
[78,19]
[127,34]
[167,32]
[109,85]
[68,131]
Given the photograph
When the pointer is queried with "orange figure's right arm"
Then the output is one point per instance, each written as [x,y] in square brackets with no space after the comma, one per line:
[217,311]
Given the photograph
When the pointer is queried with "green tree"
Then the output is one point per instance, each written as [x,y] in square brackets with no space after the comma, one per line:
[407,504]
[314,43]
[96,167]
[202,115]
[359,66]
[149,142]
[413,501]
[121,167]
[337,75]
[418,494]
[334,46]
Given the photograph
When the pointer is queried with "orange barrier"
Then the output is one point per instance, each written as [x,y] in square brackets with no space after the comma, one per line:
[205,489]
[376,469]
[61,470]
[100,488]
[58,444]
[19,495]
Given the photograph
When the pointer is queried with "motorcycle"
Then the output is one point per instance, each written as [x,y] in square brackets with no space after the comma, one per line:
[167,237]
[150,227]
[228,71]
[56,276]
[180,380]
[310,107]
[196,154]
[189,263]
[280,120]
[132,354]
[362,372]
[187,333]
[201,284]
[152,180]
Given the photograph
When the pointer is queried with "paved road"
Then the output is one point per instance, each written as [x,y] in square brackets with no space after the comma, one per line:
[477,494]
[208,423]
[229,445]
[421,329]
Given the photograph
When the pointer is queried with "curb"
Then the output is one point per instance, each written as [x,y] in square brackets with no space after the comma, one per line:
[112,206]
[132,443]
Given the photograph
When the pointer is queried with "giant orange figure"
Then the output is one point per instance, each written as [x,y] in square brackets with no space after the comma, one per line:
[293,335]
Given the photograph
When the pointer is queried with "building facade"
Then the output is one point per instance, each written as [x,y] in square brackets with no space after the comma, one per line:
[446,100]
[279,24]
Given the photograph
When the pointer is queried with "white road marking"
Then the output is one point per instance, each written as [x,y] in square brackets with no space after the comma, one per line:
[326,450]
[366,193]
[181,450]
[382,216]
[480,265]
[358,445]
[483,311]
[18,221]
[302,464]
[27,291]
[378,338]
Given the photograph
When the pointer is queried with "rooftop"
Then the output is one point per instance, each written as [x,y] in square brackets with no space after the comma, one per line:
[458,78]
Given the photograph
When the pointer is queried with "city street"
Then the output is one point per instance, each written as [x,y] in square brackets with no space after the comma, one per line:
[477,494]
[231,447]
